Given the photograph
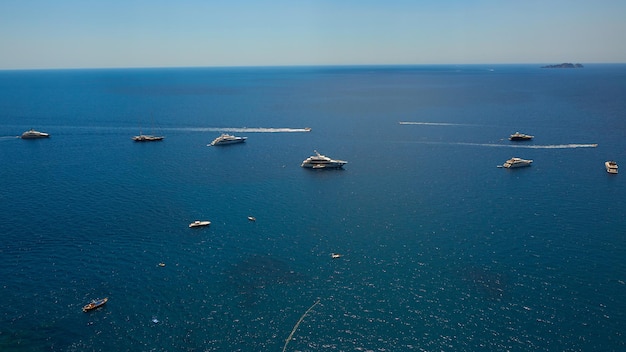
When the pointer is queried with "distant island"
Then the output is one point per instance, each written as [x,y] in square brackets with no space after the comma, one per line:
[564,65]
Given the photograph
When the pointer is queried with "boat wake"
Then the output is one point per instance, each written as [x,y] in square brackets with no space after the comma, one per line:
[8,138]
[242,129]
[529,146]
[432,123]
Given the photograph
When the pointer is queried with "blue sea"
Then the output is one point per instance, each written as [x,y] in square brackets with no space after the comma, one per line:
[441,249]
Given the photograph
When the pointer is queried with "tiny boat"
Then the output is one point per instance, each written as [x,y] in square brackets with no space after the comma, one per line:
[161,264]
[251,218]
[611,167]
[199,223]
[95,304]
[335,255]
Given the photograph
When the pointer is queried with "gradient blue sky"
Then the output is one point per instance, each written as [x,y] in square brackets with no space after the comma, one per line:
[159,33]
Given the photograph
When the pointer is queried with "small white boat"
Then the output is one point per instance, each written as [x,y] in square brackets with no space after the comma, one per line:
[32,134]
[611,167]
[335,255]
[199,223]
[319,161]
[227,139]
[516,162]
[251,218]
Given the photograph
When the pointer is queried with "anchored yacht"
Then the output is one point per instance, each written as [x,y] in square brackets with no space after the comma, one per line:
[319,161]
[520,137]
[611,167]
[516,162]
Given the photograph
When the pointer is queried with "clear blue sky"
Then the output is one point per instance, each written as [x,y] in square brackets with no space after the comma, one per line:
[164,33]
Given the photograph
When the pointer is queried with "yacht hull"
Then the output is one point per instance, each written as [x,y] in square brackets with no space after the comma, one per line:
[324,166]
[611,167]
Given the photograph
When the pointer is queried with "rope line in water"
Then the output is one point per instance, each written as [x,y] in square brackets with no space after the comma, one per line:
[295,327]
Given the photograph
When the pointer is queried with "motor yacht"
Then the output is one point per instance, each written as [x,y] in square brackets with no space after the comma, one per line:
[32,134]
[611,167]
[227,139]
[516,162]
[520,137]
[319,161]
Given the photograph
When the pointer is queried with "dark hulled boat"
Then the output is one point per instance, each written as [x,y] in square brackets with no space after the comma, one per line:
[520,137]
[95,304]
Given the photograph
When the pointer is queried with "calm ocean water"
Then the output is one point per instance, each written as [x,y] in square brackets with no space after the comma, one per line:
[442,250]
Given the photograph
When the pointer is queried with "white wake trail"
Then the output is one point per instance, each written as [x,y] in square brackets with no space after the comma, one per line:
[8,138]
[531,146]
[243,129]
[431,123]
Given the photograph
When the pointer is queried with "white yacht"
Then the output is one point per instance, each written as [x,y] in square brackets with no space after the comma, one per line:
[227,139]
[32,134]
[516,162]
[319,161]
[611,167]
[199,223]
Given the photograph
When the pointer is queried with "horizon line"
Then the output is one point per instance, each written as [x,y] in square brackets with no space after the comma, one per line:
[296,65]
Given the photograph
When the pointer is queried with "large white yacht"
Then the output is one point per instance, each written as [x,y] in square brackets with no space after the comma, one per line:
[227,139]
[32,134]
[516,162]
[319,161]
[611,167]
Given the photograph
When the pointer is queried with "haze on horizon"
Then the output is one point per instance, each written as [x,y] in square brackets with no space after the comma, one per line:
[157,33]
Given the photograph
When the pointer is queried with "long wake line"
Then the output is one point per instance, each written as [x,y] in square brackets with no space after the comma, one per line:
[532,146]
[432,123]
[240,129]
[526,146]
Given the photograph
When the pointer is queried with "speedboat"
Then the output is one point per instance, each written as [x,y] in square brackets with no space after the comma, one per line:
[95,304]
[520,137]
[227,139]
[611,167]
[199,223]
[251,218]
[32,134]
[516,162]
[335,255]
[147,138]
[319,161]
